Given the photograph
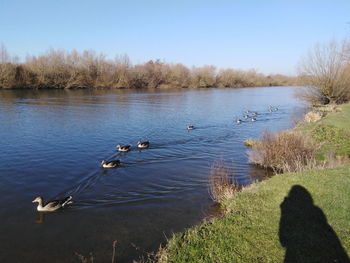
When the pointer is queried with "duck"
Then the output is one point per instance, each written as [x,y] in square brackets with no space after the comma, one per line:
[239,121]
[254,114]
[246,116]
[52,205]
[111,164]
[124,148]
[190,127]
[142,145]
[253,119]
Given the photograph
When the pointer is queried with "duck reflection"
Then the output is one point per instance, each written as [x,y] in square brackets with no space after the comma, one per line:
[40,218]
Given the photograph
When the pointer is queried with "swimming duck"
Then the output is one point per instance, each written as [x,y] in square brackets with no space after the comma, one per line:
[254,114]
[190,127]
[239,121]
[111,164]
[124,148]
[142,145]
[246,116]
[253,119]
[52,205]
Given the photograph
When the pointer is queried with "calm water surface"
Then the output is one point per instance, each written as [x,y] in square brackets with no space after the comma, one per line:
[52,143]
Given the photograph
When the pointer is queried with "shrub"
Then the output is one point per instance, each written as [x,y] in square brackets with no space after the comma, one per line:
[287,151]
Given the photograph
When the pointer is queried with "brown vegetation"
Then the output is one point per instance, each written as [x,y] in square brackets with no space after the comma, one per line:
[222,182]
[288,151]
[312,116]
[60,69]
[250,142]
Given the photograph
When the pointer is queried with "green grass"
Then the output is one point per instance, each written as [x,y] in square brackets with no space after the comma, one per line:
[332,133]
[249,232]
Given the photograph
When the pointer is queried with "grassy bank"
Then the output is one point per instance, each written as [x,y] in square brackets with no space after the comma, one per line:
[332,133]
[295,217]
[321,141]
[254,227]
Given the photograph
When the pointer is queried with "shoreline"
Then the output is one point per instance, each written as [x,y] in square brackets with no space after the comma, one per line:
[243,225]
[141,88]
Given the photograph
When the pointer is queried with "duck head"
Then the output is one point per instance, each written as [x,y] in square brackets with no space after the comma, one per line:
[38,200]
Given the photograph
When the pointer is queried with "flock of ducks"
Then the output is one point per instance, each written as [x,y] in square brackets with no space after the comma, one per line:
[57,204]
[124,148]
[253,115]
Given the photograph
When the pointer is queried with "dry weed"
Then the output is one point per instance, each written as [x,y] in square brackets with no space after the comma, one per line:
[313,116]
[223,182]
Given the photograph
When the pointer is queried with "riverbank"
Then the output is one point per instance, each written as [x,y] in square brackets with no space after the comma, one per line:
[332,132]
[251,229]
[290,216]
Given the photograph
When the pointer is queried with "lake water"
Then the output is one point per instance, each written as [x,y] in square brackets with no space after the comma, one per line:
[53,141]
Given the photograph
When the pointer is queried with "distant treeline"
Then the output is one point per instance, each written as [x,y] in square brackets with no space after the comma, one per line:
[60,69]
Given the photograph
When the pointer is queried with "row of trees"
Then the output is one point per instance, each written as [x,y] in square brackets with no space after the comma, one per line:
[61,69]
[326,72]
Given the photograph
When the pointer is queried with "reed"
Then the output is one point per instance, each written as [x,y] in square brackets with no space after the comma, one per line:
[84,259]
[90,258]
[223,183]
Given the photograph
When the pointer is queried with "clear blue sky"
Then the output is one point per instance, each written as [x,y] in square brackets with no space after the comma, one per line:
[269,36]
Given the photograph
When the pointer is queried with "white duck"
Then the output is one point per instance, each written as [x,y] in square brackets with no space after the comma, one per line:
[52,205]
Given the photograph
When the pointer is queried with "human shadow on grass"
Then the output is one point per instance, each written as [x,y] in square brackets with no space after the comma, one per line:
[305,232]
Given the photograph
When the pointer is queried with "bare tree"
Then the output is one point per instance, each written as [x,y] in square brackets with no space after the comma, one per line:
[325,69]
[180,76]
[88,69]
[4,55]
[204,76]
